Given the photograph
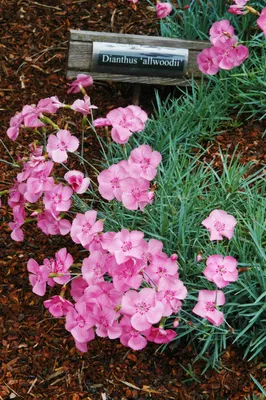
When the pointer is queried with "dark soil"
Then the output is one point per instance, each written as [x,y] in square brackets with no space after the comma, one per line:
[38,356]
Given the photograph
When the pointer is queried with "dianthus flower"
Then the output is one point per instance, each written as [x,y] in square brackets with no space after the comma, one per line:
[208,300]
[82,81]
[261,21]
[85,227]
[163,9]
[221,270]
[143,307]
[59,144]
[220,224]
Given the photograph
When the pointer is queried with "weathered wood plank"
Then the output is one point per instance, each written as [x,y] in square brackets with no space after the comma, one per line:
[81,49]
[88,36]
[80,53]
[130,78]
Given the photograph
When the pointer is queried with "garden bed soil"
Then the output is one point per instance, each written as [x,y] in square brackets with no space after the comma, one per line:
[37,354]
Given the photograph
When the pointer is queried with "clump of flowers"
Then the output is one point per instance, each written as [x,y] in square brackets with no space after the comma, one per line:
[129,180]
[126,287]
[225,52]
[219,270]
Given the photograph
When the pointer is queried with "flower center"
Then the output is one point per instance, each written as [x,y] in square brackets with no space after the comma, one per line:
[161,271]
[62,146]
[136,193]
[221,269]
[115,183]
[145,163]
[57,198]
[210,306]
[219,226]
[126,246]
[86,227]
[81,321]
[142,308]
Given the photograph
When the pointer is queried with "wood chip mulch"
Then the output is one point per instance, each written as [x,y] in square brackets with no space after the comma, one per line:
[37,355]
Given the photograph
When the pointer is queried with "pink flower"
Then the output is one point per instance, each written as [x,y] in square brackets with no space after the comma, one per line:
[81,82]
[58,199]
[199,257]
[125,121]
[16,194]
[221,31]
[162,267]
[101,122]
[143,308]
[143,162]
[221,270]
[30,116]
[240,54]
[58,145]
[163,9]
[58,306]
[15,123]
[208,300]
[63,261]
[85,228]
[235,9]
[94,267]
[49,105]
[80,322]
[38,277]
[83,106]
[261,21]
[170,293]
[130,337]
[135,193]
[106,322]
[126,245]
[238,8]
[126,275]
[51,224]
[40,181]
[160,335]
[19,217]
[205,61]
[78,287]
[229,55]
[152,249]
[77,181]
[110,182]
[220,224]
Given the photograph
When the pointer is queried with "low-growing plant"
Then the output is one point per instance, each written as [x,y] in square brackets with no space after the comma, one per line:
[157,267]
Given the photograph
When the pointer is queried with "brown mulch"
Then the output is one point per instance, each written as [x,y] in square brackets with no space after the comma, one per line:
[37,355]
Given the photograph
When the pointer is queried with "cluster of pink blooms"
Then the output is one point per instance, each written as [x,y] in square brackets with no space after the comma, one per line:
[124,122]
[35,182]
[240,8]
[219,270]
[225,53]
[129,180]
[126,286]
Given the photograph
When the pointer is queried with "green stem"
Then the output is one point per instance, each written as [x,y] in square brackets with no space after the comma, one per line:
[47,120]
